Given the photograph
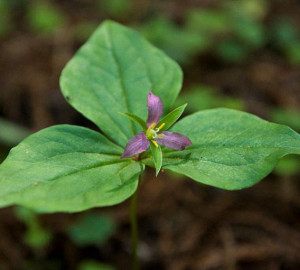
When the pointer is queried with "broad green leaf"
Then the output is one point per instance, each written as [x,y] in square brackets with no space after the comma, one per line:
[230,149]
[171,117]
[136,119]
[157,157]
[114,72]
[67,168]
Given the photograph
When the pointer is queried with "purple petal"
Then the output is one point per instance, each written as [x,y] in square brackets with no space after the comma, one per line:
[174,140]
[155,109]
[137,144]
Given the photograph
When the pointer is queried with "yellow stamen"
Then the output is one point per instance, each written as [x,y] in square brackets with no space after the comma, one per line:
[152,126]
[160,135]
[161,126]
[150,132]
[155,143]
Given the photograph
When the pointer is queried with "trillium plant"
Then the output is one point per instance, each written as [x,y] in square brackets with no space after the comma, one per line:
[110,80]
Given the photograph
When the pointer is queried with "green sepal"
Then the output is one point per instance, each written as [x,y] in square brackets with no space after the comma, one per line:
[136,119]
[171,117]
[157,157]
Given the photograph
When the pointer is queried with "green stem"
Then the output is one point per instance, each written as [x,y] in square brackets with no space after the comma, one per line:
[134,231]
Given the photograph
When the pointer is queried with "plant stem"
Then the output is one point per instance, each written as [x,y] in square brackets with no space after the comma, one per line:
[134,231]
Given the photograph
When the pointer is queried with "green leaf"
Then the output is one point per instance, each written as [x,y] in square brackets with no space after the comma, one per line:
[208,22]
[115,8]
[232,51]
[92,229]
[171,117]
[286,117]
[67,168]
[35,236]
[230,149]
[203,97]
[44,17]
[114,72]
[136,119]
[162,31]
[157,157]
[288,166]
[94,265]
[11,133]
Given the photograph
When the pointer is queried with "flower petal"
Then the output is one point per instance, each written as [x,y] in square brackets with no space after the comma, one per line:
[155,109]
[137,144]
[174,140]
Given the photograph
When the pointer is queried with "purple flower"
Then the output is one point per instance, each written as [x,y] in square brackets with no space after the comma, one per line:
[141,142]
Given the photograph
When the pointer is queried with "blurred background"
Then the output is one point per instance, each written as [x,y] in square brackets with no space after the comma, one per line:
[240,54]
